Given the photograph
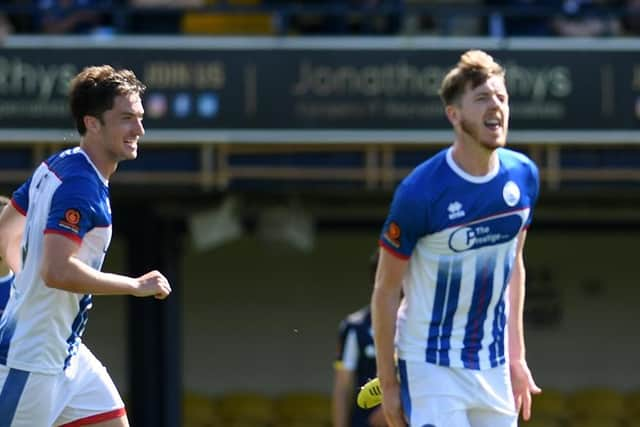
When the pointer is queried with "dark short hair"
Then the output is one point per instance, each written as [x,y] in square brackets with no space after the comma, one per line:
[475,67]
[94,89]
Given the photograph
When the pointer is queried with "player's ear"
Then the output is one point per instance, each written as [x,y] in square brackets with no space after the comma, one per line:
[453,114]
[92,123]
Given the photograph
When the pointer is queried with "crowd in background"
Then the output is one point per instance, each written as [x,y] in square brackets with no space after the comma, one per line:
[587,18]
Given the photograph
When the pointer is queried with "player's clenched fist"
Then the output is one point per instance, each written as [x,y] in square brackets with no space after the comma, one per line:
[153,283]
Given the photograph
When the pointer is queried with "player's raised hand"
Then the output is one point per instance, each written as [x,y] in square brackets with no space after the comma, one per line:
[523,387]
[153,283]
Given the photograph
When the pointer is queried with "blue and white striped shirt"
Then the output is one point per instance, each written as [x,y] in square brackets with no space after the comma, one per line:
[41,328]
[459,233]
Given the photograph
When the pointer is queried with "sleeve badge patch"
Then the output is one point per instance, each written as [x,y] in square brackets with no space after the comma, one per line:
[71,220]
[393,234]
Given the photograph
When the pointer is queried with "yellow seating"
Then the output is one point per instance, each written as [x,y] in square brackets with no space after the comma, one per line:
[537,421]
[551,404]
[597,404]
[226,23]
[246,410]
[592,407]
[304,409]
[596,422]
[246,23]
[198,410]
[632,401]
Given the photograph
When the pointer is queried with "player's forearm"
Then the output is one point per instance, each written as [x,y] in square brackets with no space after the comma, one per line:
[515,321]
[77,277]
[384,308]
[12,256]
[11,230]
[10,250]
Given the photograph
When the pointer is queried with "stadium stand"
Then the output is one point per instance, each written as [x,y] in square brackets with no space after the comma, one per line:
[303,409]
[246,410]
[380,17]
[589,407]
[633,405]
[597,406]
[235,22]
[551,408]
[199,410]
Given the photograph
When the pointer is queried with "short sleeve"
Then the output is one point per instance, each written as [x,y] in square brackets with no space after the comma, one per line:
[406,222]
[20,197]
[533,188]
[72,213]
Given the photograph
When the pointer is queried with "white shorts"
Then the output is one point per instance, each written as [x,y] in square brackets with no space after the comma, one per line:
[82,393]
[440,396]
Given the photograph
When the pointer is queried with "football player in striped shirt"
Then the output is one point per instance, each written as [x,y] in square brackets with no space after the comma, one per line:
[453,243]
[54,235]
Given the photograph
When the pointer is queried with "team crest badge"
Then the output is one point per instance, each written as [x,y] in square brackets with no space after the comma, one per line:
[393,234]
[511,193]
[71,220]
[72,216]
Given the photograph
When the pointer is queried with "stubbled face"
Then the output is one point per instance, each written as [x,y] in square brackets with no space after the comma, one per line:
[121,127]
[483,114]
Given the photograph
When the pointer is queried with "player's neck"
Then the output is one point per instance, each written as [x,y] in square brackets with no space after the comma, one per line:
[105,165]
[474,159]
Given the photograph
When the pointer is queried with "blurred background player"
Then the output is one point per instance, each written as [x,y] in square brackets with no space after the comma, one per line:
[71,16]
[453,244]
[54,235]
[354,366]
[6,275]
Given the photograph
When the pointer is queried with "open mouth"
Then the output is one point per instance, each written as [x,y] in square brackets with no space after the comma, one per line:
[493,124]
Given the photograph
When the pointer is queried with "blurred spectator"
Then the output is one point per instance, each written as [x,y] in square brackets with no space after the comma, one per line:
[355,364]
[170,4]
[631,20]
[72,16]
[523,18]
[585,18]
[428,17]
[420,23]
[17,18]
[5,27]
[308,21]
[159,16]
[368,17]
[536,18]
[365,20]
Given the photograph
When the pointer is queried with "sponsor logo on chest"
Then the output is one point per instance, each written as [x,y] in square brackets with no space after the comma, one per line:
[489,232]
